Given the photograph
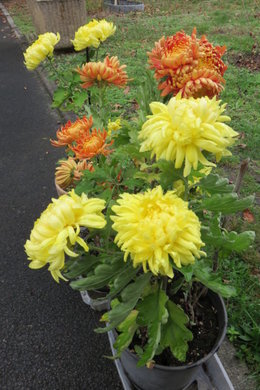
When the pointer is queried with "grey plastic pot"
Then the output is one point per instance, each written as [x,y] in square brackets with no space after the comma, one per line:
[95,299]
[177,378]
[124,6]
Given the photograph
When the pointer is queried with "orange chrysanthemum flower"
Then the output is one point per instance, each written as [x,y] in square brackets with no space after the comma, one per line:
[108,72]
[68,172]
[72,131]
[92,144]
[188,65]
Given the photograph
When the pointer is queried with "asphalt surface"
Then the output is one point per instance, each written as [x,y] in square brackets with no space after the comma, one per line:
[46,331]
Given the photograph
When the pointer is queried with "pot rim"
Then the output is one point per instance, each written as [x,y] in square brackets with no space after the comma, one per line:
[59,189]
[219,340]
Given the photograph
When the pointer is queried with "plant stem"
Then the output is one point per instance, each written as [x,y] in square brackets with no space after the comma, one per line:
[215,261]
[202,292]
[59,77]
[97,248]
[88,60]
[242,170]
[186,194]
[97,54]
[190,304]
[164,283]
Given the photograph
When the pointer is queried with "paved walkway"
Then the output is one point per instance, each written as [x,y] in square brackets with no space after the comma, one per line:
[46,331]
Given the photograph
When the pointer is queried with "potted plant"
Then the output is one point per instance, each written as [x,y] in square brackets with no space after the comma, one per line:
[124,6]
[155,213]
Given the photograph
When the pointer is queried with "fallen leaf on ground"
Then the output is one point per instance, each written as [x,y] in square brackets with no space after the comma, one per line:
[126,90]
[248,216]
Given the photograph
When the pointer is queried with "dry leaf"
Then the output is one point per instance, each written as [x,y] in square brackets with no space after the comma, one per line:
[126,90]
[242,146]
[248,216]
[150,364]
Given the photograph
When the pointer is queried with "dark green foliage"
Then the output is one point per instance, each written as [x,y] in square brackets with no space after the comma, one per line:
[175,334]
[152,314]
[129,298]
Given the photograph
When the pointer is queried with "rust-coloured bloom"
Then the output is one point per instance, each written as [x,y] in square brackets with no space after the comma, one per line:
[72,131]
[188,65]
[69,171]
[91,144]
[108,72]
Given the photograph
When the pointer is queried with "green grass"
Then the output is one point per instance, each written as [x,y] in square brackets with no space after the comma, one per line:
[236,25]
[23,20]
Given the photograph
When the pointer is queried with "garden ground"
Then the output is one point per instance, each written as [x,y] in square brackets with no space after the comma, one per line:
[236,25]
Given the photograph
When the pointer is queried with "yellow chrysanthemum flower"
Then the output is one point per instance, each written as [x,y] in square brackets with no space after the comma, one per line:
[87,36]
[106,29]
[183,129]
[113,126]
[179,186]
[153,226]
[91,34]
[58,228]
[40,49]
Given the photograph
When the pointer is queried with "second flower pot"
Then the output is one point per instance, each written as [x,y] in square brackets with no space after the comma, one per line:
[95,299]
[178,377]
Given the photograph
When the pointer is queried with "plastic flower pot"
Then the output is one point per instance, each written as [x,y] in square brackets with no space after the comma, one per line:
[177,378]
[63,16]
[60,190]
[123,6]
[95,299]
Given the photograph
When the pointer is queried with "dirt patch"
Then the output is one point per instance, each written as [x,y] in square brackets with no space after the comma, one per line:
[15,5]
[250,61]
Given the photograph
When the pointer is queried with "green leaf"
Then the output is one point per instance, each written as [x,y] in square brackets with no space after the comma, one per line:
[186,271]
[127,329]
[121,281]
[103,274]
[226,204]
[222,239]
[148,177]
[130,296]
[214,184]
[176,285]
[204,274]
[168,174]
[175,333]
[59,96]
[152,313]
[79,98]
[68,76]
[81,266]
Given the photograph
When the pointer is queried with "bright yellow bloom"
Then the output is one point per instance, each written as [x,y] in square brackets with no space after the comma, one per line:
[91,34]
[40,49]
[86,36]
[106,29]
[153,226]
[58,228]
[113,126]
[183,129]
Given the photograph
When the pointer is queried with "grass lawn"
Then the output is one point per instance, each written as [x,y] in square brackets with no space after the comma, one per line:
[225,22]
